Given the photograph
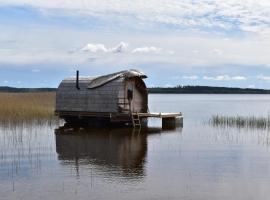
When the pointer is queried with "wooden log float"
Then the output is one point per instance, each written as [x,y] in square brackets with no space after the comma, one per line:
[172,122]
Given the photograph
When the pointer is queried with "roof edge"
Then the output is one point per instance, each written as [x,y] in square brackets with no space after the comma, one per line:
[102,80]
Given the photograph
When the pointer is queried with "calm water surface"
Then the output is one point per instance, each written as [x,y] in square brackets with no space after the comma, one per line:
[195,161]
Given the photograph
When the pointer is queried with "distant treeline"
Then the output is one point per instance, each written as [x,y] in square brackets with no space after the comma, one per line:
[13,89]
[205,90]
[165,90]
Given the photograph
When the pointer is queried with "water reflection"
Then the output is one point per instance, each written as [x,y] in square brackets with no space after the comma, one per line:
[116,151]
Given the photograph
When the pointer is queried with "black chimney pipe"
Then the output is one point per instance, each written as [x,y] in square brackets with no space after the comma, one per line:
[77,80]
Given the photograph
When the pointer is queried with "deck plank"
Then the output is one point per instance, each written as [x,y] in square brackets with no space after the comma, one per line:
[160,115]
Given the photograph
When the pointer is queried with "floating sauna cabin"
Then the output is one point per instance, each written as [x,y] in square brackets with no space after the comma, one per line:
[111,97]
[120,97]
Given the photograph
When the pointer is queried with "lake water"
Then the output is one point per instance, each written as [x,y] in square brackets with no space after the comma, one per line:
[196,161]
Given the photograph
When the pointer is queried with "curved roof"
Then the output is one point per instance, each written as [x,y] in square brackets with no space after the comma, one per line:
[102,80]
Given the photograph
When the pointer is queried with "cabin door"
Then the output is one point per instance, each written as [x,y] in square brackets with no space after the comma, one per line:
[130,93]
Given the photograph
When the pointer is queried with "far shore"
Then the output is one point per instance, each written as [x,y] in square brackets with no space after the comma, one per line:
[162,90]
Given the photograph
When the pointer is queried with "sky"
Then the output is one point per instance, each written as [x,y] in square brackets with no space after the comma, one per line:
[175,42]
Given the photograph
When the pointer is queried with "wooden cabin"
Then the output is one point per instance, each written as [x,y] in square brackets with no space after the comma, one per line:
[111,97]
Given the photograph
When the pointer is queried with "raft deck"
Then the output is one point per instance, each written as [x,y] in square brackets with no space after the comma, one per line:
[168,119]
[159,115]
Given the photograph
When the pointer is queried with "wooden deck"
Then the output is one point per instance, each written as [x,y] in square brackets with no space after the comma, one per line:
[168,119]
[159,115]
[107,114]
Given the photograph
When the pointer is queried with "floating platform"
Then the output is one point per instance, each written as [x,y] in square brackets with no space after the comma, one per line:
[159,115]
[168,119]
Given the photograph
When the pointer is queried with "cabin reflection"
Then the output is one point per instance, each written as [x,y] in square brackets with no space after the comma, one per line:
[123,149]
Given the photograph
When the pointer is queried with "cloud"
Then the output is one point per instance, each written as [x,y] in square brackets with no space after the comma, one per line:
[247,16]
[263,78]
[151,49]
[147,50]
[96,48]
[225,78]
[159,27]
[194,77]
[121,47]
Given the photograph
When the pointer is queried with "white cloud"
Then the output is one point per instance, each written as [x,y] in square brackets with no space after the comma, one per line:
[36,47]
[121,47]
[194,77]
[264,78]
[153,50]
[96,48]
[191,47]
[147,50]
[225,78]
[248,15]
[239,78]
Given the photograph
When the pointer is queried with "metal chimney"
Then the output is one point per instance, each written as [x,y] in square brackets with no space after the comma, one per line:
[77,80]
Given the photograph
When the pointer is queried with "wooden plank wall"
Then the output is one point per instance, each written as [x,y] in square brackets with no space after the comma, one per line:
[101,99]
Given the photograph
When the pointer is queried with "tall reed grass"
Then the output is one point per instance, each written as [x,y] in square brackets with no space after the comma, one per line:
[241,121]
[26,107]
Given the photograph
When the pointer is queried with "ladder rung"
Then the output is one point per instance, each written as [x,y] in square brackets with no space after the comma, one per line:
[136,120]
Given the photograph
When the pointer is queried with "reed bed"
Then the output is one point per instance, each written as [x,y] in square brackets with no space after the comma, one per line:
[27,107]
[241,121]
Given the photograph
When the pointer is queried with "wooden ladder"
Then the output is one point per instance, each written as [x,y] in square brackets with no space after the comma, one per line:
[136,122]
